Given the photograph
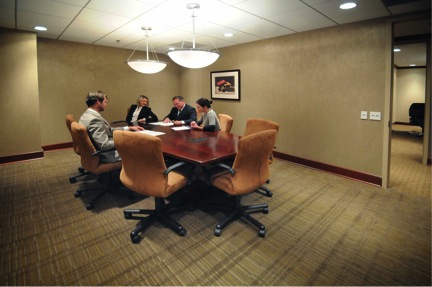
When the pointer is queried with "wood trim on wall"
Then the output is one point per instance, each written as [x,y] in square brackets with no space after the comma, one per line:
[351,174]
[21,157]
[34,155]
[57,146]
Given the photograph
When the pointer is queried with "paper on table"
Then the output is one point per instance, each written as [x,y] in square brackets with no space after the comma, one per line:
[162,124]
[152,133]
[182,128]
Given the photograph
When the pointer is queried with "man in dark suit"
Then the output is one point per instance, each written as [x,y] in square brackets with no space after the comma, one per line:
[181,113]
[99,129]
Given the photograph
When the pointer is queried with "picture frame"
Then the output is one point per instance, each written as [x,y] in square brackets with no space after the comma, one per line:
[225,85]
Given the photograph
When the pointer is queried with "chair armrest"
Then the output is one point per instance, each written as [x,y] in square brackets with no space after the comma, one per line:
[102,151]
[117,122]
[230,170]
[174,166]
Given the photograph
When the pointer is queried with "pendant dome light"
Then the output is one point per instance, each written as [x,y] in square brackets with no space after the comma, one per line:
[193,58]
[146,66]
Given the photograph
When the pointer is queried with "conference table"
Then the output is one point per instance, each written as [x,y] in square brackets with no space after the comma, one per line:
[195,146]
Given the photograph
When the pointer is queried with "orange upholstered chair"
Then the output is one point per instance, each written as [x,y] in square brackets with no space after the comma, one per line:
[90,161]
[254,125]
[225,122]
[144,171]
[249,171]
[82,172]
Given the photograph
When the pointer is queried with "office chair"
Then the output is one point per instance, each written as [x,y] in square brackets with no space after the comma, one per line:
[144,171]
[90,162]
[82,172]
[248,172]
[225,122]
[121,121]
[254,125]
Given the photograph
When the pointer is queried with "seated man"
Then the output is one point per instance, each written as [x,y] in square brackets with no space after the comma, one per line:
[99,129]
[181,113]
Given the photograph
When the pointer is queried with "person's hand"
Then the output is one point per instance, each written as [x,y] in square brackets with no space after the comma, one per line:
[166,120]
[193,124]
[177,123]
[136,128]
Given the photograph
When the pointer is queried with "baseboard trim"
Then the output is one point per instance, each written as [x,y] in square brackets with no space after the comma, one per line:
[402,123]
[57,146]
[351,174]
[21,157]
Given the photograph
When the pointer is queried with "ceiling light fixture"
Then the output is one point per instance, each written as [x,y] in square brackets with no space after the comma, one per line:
[146,66]
[348,5]
[193,58]
[396,50]
[40,28]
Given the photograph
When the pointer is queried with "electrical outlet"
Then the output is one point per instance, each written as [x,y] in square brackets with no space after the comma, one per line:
[375,116]
[364,115]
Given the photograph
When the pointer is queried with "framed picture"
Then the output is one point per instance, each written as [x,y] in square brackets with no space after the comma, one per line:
[225,85]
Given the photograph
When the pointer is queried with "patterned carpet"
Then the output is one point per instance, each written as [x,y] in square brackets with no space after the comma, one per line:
[321,230]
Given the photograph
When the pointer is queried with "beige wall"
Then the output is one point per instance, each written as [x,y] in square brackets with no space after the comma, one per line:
[314,84]
[410,88]
[68,71]
[19,97]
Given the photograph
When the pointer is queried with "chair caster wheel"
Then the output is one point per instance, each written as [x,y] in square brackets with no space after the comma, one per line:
[217,232]
[262,233]
[135,239]
[72,180]
[269,194]
[128,215]
[182,232]
[77,194]
[89,206]
[265,210]
[81,170]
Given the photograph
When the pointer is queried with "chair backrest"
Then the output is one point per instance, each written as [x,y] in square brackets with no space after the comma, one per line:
[225,122]
[69,120]
[254,125]
[251,164]
[85,146]
[143,165]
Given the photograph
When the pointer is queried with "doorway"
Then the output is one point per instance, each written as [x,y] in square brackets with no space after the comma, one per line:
[411,77]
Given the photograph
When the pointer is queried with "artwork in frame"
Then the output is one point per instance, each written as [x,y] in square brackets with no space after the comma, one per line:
[225,85]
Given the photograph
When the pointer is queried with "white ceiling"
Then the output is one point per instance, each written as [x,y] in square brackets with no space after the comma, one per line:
[117,23]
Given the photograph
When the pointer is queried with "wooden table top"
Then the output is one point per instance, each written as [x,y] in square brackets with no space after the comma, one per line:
[196,146]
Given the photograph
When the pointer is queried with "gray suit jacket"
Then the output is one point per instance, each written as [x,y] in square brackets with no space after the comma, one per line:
[101,134]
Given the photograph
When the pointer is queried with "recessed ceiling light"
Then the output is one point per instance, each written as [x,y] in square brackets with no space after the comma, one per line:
[228,34]
[348,5]
[171,48]
[40,28]
[396,50]
[412,65]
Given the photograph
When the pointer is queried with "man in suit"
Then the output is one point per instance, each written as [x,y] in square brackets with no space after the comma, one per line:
[181,113]
[99,129]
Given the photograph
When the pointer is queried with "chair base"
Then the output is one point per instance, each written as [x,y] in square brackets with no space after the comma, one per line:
[107,184]
[90,203]
[264,191]
[82,172]
[159,214]
[240,211]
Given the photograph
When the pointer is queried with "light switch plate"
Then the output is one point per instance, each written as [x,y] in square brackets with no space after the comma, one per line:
[375,116]
[364,115]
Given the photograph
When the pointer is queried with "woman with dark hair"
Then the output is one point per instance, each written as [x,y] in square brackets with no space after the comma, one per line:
[141,112]
[209,118]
